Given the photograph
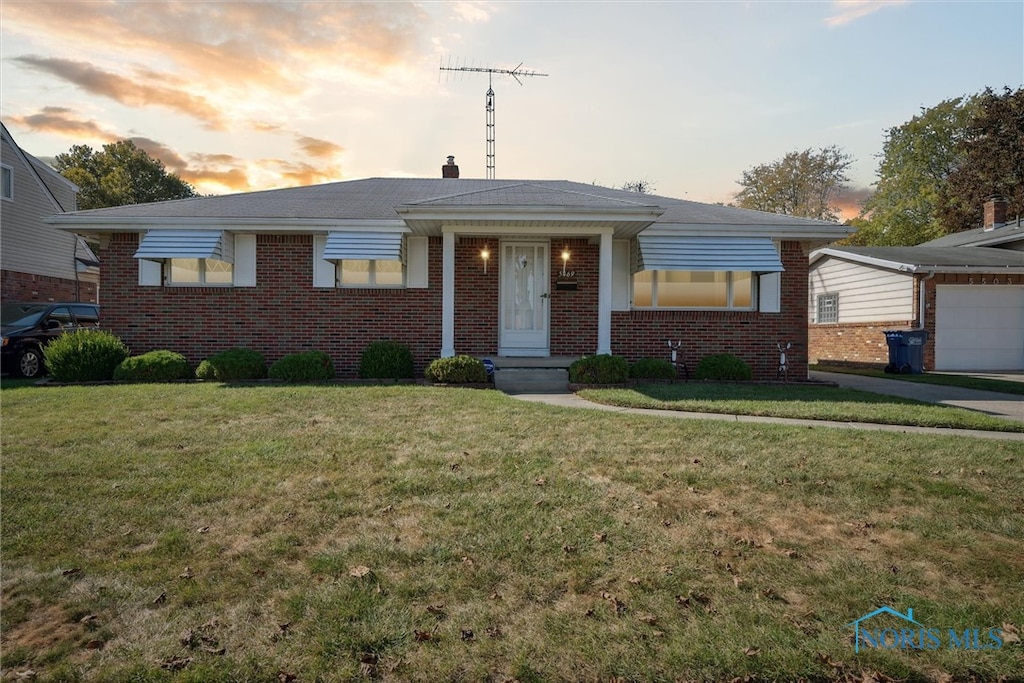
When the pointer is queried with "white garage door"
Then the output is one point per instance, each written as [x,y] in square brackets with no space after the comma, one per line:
[979,327]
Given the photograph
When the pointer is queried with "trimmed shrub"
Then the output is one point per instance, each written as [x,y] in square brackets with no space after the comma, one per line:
[652,368]
[155,366]
[233,364]
[309,366]
[723,366]
[386,360]
[603,369]
[457,370]
[84,356]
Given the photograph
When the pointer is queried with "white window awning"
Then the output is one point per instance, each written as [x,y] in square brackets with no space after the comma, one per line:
[158,245]
[370,246]
[667,252]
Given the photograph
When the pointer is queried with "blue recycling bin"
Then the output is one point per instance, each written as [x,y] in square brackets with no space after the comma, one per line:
[906,351]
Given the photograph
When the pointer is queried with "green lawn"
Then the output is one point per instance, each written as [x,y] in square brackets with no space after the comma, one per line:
[199,532]
[809,402]
[964,381]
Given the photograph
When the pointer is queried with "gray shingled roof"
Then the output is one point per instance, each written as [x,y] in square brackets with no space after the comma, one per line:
[378,199]
[1010,232]
[924,258]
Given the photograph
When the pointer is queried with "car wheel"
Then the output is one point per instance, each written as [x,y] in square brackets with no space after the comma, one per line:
[30,362]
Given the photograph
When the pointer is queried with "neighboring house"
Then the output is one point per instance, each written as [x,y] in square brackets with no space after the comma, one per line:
[965,289]
[455,266]
[38,261]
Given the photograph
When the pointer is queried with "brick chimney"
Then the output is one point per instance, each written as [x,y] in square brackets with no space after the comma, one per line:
[995,213]
[450,170]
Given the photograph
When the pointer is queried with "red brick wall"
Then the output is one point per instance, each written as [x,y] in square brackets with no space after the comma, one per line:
[17,286]
[283,314]
[750,335]
[852,343]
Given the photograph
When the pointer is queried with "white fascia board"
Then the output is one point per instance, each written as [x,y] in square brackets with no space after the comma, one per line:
[860,258]
[777,232]
[539,230]
[111,224]
[914,268]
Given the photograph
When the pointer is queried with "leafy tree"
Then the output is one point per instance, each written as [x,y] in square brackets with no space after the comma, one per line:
[118,175]
[916,162]
[799,184]
[992,161]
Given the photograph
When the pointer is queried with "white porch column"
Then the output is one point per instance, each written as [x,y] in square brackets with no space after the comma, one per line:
[448,295]
[604,296]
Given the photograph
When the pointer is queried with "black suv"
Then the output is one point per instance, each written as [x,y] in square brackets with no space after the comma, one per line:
[28,327]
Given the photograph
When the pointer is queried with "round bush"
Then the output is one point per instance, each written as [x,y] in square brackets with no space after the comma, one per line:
[652,368]
[84,356]
[386,360]
[155,366]
[603,369]
[723,366]
[309,366]
[457,370]
[233,364]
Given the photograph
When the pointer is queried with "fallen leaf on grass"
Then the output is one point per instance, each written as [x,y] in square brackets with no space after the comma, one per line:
[751,651]
[601,537]
[359,571]
[466,634]
[160,599]
[175,663]
[437,611]
[494,632]
[569,549]
[540,481]
[187,574]
[286,677]
[1010,634]
[648,618]
[71,572]
[422,636]
[94,645]
[203,530]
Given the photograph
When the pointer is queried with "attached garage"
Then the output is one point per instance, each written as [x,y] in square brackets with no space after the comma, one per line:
[979,327]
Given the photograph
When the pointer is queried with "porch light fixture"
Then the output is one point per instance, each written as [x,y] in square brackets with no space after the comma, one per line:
[485,254]
[565,260]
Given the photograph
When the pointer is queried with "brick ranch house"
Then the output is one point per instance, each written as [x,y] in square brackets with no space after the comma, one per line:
[966,289]
[455,266]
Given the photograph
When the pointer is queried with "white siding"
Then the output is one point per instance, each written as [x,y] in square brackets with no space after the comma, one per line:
[866,294]
[27,245]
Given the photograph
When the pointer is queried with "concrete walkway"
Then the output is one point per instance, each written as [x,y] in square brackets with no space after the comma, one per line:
[1012,403]
[1006,406]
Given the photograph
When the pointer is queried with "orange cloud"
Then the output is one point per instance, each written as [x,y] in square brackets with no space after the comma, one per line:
[124,90]
[235,45]
[316,147]
[171,160]
[61,121]
[295,174]
[850,201]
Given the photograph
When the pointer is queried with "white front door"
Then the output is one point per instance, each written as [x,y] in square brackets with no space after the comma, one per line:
[524,299]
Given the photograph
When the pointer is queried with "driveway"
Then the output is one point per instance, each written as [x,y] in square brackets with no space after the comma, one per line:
[1007,406]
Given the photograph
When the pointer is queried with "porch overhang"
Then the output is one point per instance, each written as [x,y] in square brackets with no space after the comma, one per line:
[524,220]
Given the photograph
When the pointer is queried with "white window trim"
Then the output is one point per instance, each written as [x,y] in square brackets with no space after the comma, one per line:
[729,294]
[3,194]
[834,296]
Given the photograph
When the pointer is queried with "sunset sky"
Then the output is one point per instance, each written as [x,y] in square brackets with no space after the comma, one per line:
[237,96]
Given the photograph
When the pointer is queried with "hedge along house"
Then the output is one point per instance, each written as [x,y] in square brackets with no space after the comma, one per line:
[455,266]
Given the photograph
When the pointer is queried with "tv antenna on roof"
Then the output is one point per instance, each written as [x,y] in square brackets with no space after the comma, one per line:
[515,73]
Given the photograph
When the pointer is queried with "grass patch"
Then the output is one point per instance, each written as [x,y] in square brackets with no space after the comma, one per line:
[962,381]
[201,532]
[807,402]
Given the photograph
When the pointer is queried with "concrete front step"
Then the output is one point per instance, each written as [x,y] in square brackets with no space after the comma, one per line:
[532,380]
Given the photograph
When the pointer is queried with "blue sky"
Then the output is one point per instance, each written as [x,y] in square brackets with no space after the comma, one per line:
[237,96]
